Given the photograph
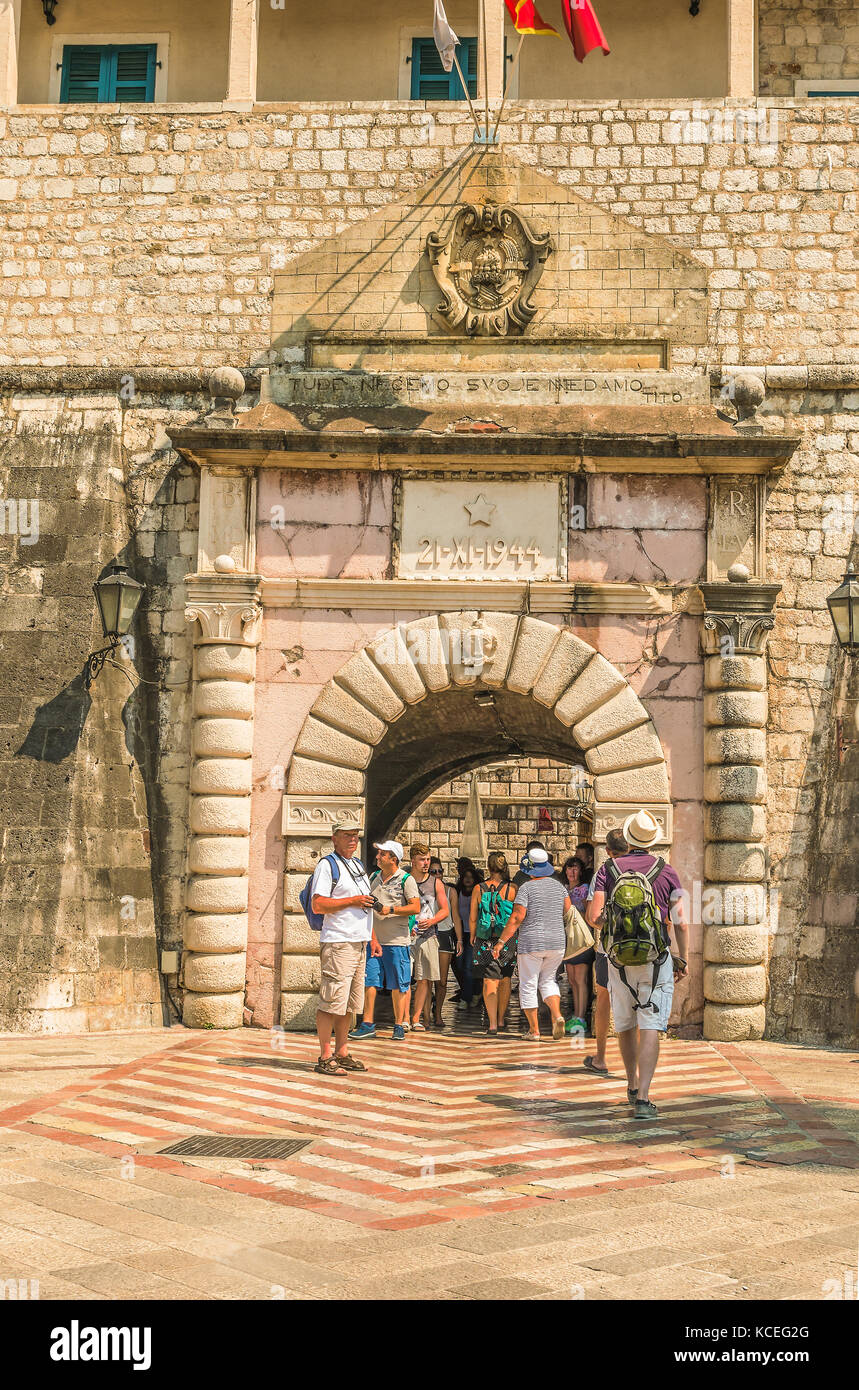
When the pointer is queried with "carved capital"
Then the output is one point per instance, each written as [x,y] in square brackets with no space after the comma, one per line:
[228,609]
[738,615]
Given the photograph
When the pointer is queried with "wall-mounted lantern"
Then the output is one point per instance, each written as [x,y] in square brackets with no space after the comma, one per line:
[581,804]
[843,604]
[118,595]
[49,6]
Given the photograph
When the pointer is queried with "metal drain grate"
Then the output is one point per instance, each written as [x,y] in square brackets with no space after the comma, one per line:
[236,1146]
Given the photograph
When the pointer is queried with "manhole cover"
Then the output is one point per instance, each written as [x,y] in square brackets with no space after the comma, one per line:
[236,1146]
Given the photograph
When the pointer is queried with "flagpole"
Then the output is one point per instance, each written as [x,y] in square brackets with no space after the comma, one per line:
[507,85]
[467,95]
[485,66]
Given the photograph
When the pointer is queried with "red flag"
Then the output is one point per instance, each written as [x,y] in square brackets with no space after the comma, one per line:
[527,18]
[583,28]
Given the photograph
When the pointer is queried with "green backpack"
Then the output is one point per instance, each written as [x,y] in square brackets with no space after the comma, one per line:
[634,931]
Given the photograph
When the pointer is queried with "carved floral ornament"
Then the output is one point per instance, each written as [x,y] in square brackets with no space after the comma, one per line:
[227,621]
[741,634]
[487,266]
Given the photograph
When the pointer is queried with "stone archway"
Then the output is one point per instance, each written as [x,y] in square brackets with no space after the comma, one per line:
[593,706]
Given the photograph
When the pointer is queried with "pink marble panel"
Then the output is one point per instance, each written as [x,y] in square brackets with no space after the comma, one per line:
[655,503]
[643,557]
[324,525]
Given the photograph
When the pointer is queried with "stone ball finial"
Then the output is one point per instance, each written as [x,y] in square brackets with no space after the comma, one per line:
[226,383]
[225,564]
[749,392]
[739,573]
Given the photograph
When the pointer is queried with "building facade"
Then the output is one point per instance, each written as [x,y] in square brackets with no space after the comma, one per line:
[429,452]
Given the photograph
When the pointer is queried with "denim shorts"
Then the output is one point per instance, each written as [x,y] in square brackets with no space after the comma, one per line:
[391,970]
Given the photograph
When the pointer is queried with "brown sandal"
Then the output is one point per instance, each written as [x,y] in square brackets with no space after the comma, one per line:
[330,1066]
[350,1063]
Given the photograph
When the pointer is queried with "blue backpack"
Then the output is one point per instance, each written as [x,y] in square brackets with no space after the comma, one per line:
[315,919]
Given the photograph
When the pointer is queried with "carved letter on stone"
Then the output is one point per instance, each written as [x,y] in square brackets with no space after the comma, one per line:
[487,266]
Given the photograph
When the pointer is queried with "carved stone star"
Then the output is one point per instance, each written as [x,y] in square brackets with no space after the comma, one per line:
[480,511]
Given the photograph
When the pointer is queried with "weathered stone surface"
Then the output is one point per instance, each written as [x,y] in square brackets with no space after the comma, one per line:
[633,749]
[213,1010]
[504,627]
[217,894]
[733,1023]
[215,974]
[301,973]
[735,673]
[220,815]
[736,708]
[298,1010]
[598,682]
[298,938]
[734,945]
[214,661]
[219,854]
[223,932]
[391,655]
[366,682]
[224,776]
[736,783]
[318,740]
[723,746]
[735,984]
[733,904]
[534,641]
[735,820]
[567,659]
[308,778]
[219,698]
[336,706]
[429,653]
[618,715]
[223,738]
[639,785]
[732,863]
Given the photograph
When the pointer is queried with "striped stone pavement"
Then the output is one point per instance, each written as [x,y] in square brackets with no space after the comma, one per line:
[442,1128]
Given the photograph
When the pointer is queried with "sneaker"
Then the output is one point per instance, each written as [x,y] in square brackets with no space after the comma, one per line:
[399,1032]
[644,1110]
[364,1030]
[575,1025]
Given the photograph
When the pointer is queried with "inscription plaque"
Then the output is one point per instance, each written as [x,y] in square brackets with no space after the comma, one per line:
[481,529]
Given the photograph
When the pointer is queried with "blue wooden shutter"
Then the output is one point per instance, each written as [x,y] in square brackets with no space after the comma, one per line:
[109,72]
[430,82]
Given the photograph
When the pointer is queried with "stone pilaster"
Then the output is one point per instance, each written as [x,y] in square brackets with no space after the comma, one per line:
[738,617]
[216,896]
[242,59]
[10,25]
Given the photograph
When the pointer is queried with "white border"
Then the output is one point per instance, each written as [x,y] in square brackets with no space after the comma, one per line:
[162,42]
[831,86]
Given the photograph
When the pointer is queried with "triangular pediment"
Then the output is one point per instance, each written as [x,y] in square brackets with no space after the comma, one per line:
[604,278]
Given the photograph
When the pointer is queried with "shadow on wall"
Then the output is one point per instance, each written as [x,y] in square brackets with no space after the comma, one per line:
[58,724]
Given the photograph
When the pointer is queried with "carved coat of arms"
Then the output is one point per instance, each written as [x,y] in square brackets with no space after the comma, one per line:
[487,266]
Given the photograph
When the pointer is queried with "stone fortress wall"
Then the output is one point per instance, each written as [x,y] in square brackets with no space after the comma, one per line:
[154,243]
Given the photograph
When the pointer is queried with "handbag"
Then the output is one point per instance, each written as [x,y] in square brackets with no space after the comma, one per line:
[579,935]
[492,919]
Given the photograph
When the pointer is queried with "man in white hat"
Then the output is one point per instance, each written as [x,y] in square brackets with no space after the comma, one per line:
[340,892]
[397,901]
[640,1003]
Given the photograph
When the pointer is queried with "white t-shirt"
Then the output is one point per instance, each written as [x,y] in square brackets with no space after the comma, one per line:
[348,923]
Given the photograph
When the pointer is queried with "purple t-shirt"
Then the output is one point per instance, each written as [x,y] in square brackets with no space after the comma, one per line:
[666,885]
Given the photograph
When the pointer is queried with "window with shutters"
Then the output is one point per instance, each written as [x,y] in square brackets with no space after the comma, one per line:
[108,72]
[430,82]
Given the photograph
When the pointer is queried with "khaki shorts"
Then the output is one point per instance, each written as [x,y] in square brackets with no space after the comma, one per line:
[425,959]
[342,988]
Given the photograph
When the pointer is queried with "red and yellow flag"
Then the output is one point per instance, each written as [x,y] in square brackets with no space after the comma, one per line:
[527,19]
[583,27]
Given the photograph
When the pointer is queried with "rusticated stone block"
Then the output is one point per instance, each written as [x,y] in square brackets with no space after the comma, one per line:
[318,740]
[594,687]
[213,1010]
[217,894]
[391,655]
[362,678]
[735,820]
[736,708]
[216,974]
[219,854]
[220,815]
[298,937]
[640,784]
[534,641]
[731,746]
[222,776]
[223,738]
[223,932]
[734,863]
[224,699]
[300,973]
[733,1023]
[735,984]
[298,1011]
[734,945]
[735,673]
[216,662]
[309,778]
[336,706]
[504,627]
[731,783]
[622,713]
[567,659]
[636,748]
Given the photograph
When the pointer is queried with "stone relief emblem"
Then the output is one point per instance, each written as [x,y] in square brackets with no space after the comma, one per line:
[487,266]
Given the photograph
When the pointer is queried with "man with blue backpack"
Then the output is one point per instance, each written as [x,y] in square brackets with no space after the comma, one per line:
[337,903]
[640,900]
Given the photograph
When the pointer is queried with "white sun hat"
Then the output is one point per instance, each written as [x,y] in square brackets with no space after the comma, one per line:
[641,830]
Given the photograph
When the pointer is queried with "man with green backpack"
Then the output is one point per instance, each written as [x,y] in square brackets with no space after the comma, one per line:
[640,900]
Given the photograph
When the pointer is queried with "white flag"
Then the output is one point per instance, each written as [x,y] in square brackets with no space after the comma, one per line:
[445,38]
